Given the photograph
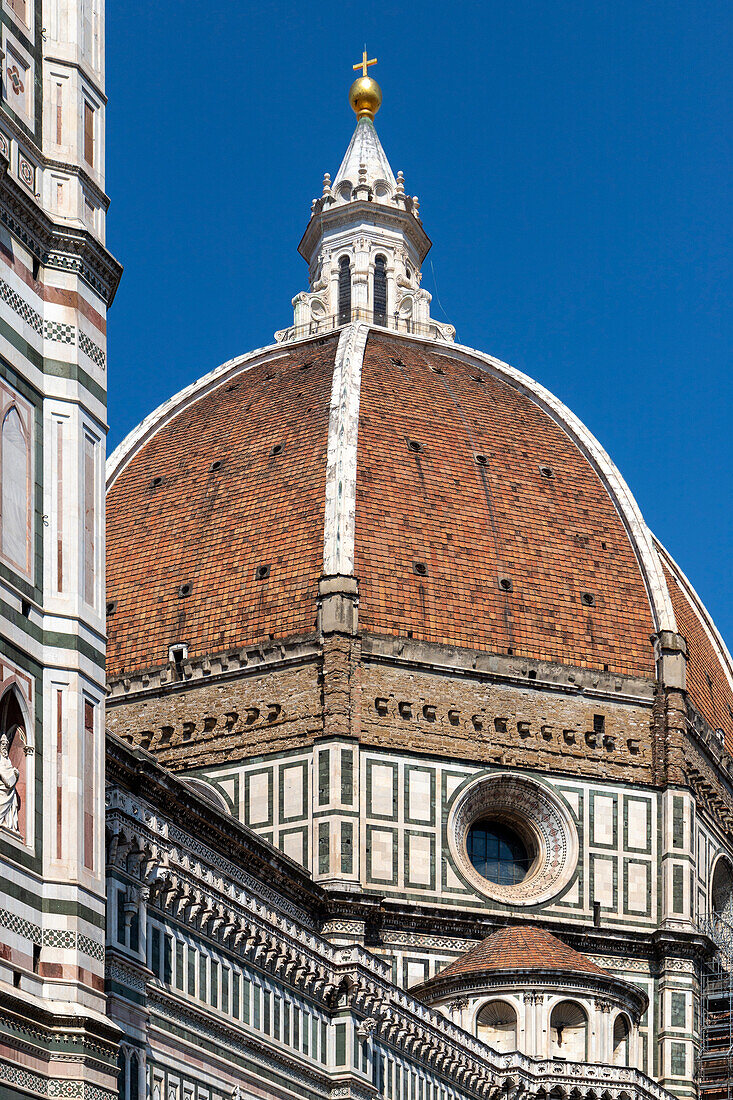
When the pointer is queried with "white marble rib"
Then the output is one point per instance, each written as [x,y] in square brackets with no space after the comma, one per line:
[343,435]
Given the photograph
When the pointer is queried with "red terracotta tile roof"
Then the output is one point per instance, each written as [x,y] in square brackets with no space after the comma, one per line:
[213,528]
[521,947]
[707,683]
[553,537]
[470,523]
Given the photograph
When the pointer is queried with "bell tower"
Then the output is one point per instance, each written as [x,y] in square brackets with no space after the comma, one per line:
[57,280]
[365,242]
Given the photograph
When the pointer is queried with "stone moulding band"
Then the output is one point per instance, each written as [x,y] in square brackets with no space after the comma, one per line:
[60,938]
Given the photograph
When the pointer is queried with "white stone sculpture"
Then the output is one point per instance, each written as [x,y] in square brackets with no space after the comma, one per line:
[9,800]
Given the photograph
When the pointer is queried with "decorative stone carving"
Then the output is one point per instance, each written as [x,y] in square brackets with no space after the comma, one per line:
[539,814]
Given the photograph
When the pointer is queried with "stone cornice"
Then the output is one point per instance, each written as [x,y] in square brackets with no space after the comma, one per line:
[373,213]
[481,665]
[137,771]
[250,660]
[64,248]
[400,651]
[33,1024]
[403,919]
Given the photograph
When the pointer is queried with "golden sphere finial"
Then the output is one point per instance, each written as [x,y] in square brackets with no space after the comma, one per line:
[365,95]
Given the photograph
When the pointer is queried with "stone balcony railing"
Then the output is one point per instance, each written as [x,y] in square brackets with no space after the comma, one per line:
[405,326]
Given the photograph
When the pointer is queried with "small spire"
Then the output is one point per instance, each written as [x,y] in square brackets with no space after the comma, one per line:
[326,184]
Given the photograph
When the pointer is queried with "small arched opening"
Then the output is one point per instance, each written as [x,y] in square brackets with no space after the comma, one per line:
[344,314]
[621,1040]
[496,1025]
[569,1032]
[380,290]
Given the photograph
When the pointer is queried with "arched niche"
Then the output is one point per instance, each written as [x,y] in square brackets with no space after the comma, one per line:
[496,1025]
[621,1040]
[569,1032]
[721,890]
[15,488]
[15,742]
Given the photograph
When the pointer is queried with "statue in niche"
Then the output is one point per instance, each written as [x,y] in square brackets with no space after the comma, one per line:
[9,798]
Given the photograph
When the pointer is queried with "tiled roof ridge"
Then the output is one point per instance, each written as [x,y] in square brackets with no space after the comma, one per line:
[521,947]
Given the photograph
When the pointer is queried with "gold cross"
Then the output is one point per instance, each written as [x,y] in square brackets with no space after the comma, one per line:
[364,64]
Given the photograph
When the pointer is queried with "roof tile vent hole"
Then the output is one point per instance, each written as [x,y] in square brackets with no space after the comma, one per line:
[395,361]
[480,379]
[588,599]
[185,589]
[415,447]
[506,584]
[156,482]
[420,568]
[277,449]
[547,472]
[262,572]
[216,465]
[481,460]
[111,608]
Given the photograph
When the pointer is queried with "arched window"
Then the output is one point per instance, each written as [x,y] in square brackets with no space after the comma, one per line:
[15,501]
[722,890]
[344,291]
[621,1033]
[569,1032]
[134,1078]
[380,291]
[496,1025]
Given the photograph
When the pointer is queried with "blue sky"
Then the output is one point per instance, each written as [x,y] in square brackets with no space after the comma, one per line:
[573,163]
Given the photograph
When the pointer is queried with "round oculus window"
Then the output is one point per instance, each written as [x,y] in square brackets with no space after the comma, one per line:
[513,839]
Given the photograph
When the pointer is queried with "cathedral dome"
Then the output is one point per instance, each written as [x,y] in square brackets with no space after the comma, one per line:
[452,499]
[474,510]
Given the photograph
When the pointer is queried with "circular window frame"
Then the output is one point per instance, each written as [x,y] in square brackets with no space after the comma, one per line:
[542,821]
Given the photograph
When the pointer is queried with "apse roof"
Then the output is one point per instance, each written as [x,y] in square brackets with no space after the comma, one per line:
[521,947]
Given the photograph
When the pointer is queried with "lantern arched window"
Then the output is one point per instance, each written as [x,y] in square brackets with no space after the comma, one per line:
[380,291]
[344,314]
